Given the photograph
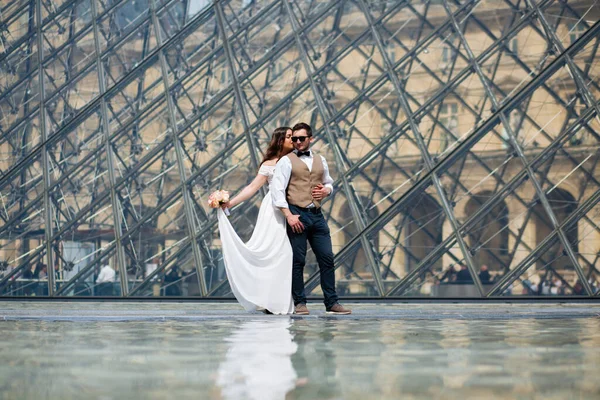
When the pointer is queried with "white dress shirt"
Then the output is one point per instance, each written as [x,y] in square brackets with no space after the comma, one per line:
[107,274]
[283,172]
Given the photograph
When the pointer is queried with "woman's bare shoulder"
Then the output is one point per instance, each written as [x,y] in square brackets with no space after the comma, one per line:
[270,163]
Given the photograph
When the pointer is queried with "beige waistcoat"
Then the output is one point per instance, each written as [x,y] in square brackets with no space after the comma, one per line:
[302,181]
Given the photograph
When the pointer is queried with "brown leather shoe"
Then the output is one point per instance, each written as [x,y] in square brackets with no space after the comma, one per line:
[338,309]
[301,309]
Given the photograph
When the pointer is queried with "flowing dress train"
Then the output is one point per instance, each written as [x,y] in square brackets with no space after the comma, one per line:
[260,270]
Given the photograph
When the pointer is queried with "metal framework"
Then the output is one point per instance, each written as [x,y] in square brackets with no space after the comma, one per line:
[460,133]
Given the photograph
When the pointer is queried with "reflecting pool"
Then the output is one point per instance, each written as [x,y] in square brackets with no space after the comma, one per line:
[275,357]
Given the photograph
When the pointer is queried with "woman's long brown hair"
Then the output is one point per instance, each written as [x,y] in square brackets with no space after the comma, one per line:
[275,149]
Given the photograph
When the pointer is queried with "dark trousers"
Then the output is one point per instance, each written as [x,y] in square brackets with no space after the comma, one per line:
[105,289]
[316,232]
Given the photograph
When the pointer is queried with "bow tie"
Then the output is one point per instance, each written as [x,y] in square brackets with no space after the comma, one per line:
[303,153]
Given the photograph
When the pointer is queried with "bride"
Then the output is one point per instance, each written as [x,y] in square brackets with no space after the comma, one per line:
[260,271]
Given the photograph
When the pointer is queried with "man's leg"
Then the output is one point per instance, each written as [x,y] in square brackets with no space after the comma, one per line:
[298,242]
[320,241]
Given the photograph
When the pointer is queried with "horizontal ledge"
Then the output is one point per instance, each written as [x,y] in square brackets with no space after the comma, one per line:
[143,312]
[354,299]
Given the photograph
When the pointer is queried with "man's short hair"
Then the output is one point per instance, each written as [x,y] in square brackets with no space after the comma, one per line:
[302,125]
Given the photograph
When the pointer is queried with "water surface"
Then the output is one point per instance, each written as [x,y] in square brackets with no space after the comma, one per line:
[273,357]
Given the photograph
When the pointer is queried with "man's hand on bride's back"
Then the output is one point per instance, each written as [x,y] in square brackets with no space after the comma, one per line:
[295,224]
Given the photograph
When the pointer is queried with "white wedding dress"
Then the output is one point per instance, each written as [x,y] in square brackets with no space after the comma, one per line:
[260,271]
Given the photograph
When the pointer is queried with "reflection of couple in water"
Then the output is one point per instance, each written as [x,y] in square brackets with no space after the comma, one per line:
[258,363]
[267,272]
[268,358]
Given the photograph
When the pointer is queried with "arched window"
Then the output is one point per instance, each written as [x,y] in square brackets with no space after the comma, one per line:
[563,204]
[490,235]
[146,241]
[359,264]
[422,230]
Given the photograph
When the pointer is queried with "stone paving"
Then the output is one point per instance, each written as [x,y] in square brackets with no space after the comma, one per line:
[152,311]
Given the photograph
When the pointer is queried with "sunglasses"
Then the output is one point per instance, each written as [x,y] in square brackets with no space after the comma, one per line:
[300,139]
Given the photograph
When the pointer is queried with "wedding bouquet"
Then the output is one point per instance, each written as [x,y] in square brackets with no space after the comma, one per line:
[217,198]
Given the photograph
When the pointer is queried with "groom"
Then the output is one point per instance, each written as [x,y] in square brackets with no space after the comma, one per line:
[300,184]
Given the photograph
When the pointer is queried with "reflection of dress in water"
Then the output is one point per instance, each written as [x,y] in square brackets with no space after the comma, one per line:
[258,363]
[260,271]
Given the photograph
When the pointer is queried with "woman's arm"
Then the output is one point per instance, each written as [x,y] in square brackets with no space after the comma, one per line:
[247,192]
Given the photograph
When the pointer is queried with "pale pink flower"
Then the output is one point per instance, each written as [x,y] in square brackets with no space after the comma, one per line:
[217,198]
